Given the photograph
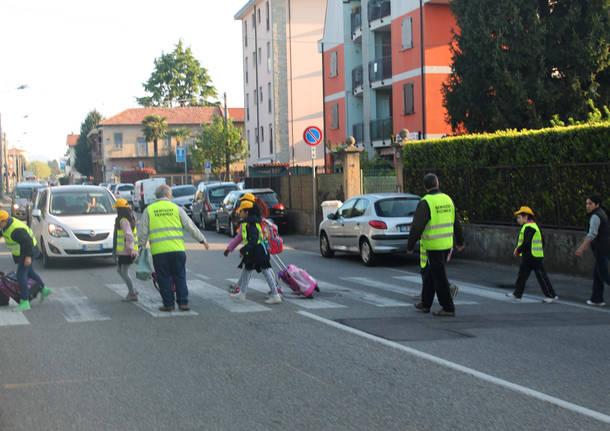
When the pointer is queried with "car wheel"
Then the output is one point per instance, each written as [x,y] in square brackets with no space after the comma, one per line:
[366,253]
[217,225]
[46,260]
[325,249]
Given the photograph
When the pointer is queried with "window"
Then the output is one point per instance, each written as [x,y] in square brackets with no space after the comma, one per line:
[407,97]
[269,96]
[267,15]
[245,33]
[258,14]
[247,107]
[407,33]
[253,19]
[254,59]
[142,147]
[333,64]
[262,134]
[246,69]
[255,98]
[360,207]
[168,142]
[248,139]
[270,139]
[334,116]
[256,135]
[346,209]
[260,93]
[268,56]
[42,202]
[260,54]
[118,140]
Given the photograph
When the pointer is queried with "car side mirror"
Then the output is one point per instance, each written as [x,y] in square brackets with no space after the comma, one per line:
[332,216]
[36,213]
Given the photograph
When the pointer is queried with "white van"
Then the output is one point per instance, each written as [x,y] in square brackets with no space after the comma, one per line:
[144,192]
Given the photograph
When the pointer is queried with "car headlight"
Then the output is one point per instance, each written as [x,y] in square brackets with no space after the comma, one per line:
[57,231]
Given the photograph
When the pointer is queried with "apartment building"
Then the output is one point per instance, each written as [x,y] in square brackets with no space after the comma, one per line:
[282,78]
[384,65]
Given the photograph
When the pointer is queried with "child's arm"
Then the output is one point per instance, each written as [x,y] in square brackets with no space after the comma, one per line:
[234,242]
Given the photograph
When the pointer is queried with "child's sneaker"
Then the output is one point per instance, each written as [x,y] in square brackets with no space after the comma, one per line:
[44,292]
[595,304]
[549,300]
[274,299]
[24,305]
[239,296]
[453,289]
[131,297]
[512,296]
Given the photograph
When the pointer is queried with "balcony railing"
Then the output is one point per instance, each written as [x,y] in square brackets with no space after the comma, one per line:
[356,19]
[357,77]
[380,68]
[381,130]
[358,132]
[379,9]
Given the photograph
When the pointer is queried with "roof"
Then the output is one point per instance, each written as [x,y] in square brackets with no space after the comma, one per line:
[240,14]
[72,138]
[237,114]
[176,115]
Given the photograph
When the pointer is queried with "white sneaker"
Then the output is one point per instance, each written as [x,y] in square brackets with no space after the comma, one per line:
[239,296]
[595,304]
[549,300]
[512,296]
[274,299]
[453,289]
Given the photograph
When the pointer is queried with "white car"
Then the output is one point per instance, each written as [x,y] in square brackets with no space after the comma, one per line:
[74,222]
[125,191]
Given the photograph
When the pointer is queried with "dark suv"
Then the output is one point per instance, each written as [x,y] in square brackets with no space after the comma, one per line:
[227,220]
[208,198]
[22,200]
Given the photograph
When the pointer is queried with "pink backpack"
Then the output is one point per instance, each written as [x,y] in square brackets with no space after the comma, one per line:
[274,243]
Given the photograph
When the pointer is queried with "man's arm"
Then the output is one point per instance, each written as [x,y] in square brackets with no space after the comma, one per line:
[143,231]
[594,223]
[420,219]
[24,240]
[528,236]
[190,227]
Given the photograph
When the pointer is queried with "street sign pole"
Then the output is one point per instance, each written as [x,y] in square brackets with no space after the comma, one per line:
[186,173]
[312,137]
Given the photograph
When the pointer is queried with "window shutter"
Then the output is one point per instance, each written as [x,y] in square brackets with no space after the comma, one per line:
[333,64]
[407,33]
[334,111]
[407,91]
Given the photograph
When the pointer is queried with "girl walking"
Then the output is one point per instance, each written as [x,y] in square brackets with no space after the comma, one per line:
[126,244]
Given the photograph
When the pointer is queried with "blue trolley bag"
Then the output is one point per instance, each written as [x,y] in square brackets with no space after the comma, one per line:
[9,288]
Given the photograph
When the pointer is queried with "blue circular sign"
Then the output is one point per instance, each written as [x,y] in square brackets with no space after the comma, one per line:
[312,135]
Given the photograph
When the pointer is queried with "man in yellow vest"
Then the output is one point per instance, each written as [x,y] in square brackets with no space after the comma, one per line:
[21,243]
[435,224]
[162,224]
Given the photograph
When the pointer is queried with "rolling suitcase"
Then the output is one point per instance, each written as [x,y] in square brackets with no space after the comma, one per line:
[9,288]
[296,278]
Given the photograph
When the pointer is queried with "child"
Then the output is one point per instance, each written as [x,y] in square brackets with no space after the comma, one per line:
[126,244]
[529,247]
[254,256]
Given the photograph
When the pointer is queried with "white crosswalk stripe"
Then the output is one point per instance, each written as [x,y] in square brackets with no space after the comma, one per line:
[361,295]
[221,298]
[76,307]
[149,300]
[10,318]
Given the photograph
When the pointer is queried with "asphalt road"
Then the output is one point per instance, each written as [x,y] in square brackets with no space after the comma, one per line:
[357,357]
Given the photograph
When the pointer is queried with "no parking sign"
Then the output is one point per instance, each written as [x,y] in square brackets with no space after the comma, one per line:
[312,135]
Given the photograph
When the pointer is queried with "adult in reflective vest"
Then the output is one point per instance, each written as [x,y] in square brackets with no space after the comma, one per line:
[22,245]
[598,236]
[435,224]
[529,247]
[162,224]
[126,249]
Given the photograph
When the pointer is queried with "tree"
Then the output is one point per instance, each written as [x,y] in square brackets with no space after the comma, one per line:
[219,145]
[54,166]
[178,80]
[155,128]
[516,63]
[40,169]
[82,150]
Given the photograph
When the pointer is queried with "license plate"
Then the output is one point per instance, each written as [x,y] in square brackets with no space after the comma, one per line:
[403,228]
[95,247]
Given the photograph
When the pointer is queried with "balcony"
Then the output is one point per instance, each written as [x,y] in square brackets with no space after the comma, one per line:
[378,10]
[357,80]
[358,132]
[380,72]
[356,24]
[381,132]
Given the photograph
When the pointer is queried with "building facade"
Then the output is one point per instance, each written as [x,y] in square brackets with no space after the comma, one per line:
[282,78]
[384,65]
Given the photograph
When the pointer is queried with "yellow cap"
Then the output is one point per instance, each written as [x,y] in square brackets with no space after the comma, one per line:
[121,203]
[524,209]
[3,215]
[247,197]
[244,205]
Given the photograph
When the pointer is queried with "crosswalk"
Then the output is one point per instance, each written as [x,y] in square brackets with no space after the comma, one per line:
[205,294]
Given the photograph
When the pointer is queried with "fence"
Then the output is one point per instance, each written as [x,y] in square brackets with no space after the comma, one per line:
[378,184]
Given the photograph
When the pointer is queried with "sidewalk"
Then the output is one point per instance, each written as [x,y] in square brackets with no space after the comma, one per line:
[567,287]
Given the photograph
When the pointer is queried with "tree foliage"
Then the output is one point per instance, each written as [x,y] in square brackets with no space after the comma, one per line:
[54,167]
[155,128]
[178,80]
[82,150]
[516,63]
[220,145]
[40,169]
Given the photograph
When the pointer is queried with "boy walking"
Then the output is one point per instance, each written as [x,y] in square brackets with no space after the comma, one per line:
[529,247]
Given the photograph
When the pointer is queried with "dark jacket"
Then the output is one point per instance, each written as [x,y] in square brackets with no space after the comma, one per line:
[525,249]
[254,255]
[421,218]
[601,243]
[23,238]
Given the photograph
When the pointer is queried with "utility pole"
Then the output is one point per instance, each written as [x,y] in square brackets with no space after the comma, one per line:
[227,155]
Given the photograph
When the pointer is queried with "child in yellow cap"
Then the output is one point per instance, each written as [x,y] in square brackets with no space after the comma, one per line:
[126,248]
[529,247]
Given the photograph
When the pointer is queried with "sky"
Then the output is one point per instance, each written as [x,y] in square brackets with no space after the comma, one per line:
[78,55]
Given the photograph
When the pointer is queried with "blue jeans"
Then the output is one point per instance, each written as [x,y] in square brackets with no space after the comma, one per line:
[600,275]
[24,273]
[172,264]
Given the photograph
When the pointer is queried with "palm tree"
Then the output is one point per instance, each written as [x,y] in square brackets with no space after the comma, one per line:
[155,128]
[181,134]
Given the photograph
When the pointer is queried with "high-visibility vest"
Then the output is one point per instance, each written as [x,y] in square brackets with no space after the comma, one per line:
[120,238]
[165,232]
[12,245]
[536,240]
[438,233]
[244,233]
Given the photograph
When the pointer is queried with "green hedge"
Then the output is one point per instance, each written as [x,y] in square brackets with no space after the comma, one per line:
[489,176]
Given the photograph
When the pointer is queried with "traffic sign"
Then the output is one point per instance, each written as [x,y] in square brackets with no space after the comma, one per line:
[179,154]
[312,135]
[313,152]
[207,166]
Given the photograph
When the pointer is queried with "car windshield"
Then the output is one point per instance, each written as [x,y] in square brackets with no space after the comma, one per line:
[80,203]
[24,192]
[217,194]
[181,191]
[396,207]
[126,187]
[270,198]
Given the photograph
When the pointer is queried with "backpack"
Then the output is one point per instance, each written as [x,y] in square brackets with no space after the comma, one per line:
[271,237]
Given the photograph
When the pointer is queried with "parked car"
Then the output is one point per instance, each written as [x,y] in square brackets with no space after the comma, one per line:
[74,222]
[207,200]
[144,192]
[22,200]
[227,220]
[370,225]
[125,191]
[183,196]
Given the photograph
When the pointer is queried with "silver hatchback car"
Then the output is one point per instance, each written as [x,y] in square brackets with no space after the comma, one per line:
[370,225]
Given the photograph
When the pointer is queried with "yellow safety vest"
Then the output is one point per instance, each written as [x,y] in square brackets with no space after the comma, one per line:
[13,246]
[536,240]
[165,232]
[438,233]
[244,233]
[120,238]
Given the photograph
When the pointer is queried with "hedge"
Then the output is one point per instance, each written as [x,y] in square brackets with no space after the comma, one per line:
[489,176]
